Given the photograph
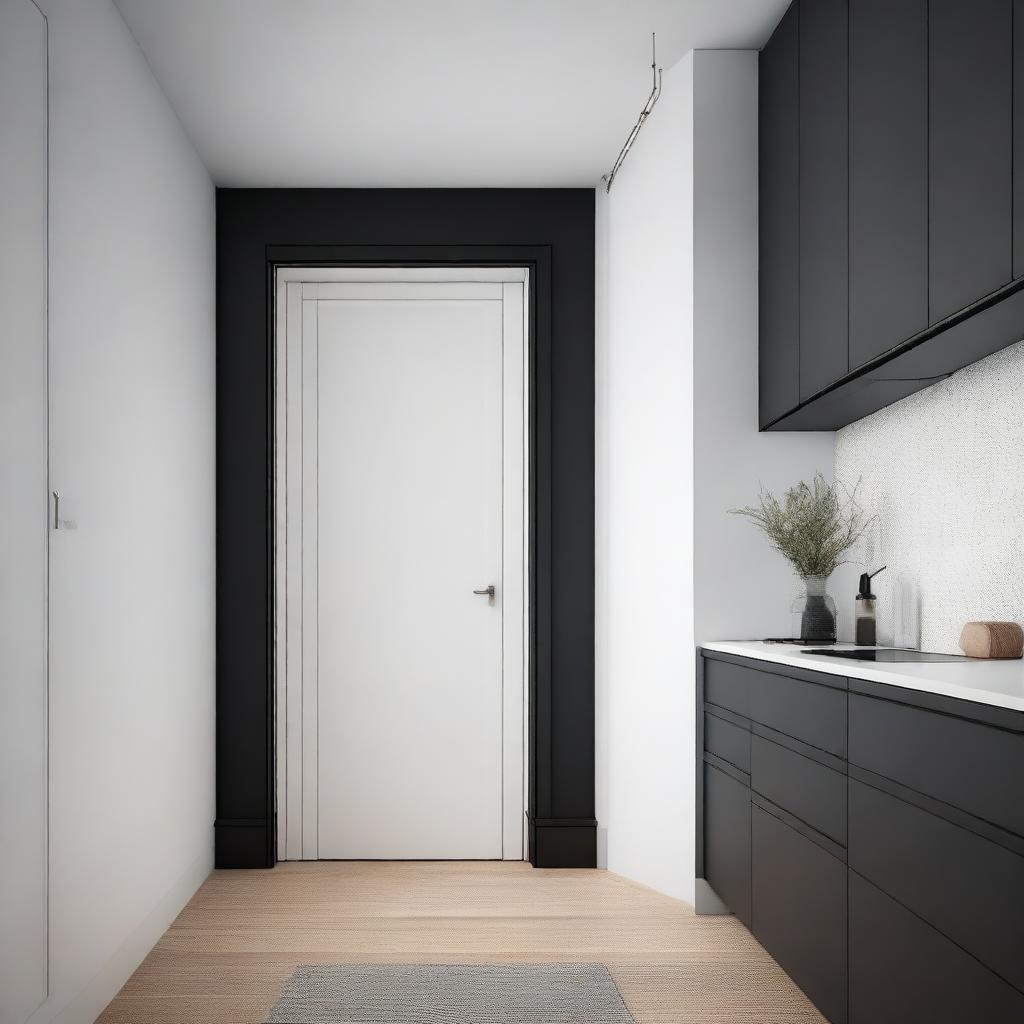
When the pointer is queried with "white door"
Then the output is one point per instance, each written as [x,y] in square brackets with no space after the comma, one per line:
[402,491]
[23,509]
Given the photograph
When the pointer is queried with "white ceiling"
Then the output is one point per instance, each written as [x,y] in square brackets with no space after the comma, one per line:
[400,93]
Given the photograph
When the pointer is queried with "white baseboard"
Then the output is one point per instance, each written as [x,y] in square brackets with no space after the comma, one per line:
[85,1006]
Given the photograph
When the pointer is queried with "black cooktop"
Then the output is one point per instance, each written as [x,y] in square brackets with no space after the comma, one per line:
[889,654]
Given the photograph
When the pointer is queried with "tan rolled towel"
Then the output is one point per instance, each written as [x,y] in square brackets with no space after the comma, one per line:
[992,640]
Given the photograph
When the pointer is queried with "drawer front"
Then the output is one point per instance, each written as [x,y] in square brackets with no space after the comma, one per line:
[902,971]
[812,712]
[811,791]
[975,767]
[970,889]
[728,685]
[727,840]
[727,741]
[798,910]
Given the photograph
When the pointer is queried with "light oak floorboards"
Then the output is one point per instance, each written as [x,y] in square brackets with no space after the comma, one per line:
[224,959]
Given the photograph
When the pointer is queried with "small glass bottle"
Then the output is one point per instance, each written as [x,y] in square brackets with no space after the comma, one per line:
[864,612]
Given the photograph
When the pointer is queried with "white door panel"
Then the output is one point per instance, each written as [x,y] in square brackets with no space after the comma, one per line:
[409,668]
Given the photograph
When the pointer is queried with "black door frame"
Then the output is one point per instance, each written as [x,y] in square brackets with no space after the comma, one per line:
[549,231]
[537,260]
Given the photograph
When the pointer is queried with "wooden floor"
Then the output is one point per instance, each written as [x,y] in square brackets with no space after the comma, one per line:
[224,959]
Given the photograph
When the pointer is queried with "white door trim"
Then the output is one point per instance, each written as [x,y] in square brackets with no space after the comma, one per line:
[298,291]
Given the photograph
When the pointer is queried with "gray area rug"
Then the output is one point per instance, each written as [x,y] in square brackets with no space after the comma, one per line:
[450,994]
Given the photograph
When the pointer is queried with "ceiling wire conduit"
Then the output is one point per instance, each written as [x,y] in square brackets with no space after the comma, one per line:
[644,114]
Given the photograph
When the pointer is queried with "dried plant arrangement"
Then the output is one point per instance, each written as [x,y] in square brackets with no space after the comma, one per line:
[813,525]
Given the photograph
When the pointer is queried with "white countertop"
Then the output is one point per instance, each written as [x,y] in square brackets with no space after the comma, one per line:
[999,683]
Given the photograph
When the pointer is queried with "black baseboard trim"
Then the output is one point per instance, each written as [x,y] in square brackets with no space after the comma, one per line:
[563,842]
[241,843]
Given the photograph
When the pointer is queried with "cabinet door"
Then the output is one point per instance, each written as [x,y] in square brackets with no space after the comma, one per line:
[814,712]
[968,888]
[727,840]
[798,910]
[888,174]
[824,208]
[902,971]
[728,741]
[1018,138]
[970,162]
[779,129]
[806,788]
[911,746]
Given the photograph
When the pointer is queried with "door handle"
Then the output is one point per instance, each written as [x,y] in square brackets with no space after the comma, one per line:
[58,522]
[489,591]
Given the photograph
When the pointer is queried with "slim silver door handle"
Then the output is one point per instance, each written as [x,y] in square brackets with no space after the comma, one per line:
[489,591]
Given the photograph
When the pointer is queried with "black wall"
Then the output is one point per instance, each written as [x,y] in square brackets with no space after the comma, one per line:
[552,232]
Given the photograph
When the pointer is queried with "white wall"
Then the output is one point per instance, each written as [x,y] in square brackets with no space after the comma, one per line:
[677,446]
[743,589]
[644,509]
[132,453]
[943,472]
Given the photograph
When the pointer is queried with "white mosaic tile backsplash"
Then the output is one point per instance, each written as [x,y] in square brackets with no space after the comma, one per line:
[943,471]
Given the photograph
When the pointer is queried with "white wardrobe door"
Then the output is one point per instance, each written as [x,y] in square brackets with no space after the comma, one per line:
[23,509]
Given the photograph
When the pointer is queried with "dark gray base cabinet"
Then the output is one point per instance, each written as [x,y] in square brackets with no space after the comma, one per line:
[727,840]
[968,887]
[903,971]
[798,910]
[889,885]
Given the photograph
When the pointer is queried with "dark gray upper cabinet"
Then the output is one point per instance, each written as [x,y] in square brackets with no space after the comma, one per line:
[1018,138]
[779,129]
[892,179]
[888,174]
[970,161]
[824,160]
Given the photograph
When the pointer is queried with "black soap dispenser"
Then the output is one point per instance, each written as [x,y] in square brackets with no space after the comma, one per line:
[864,611]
